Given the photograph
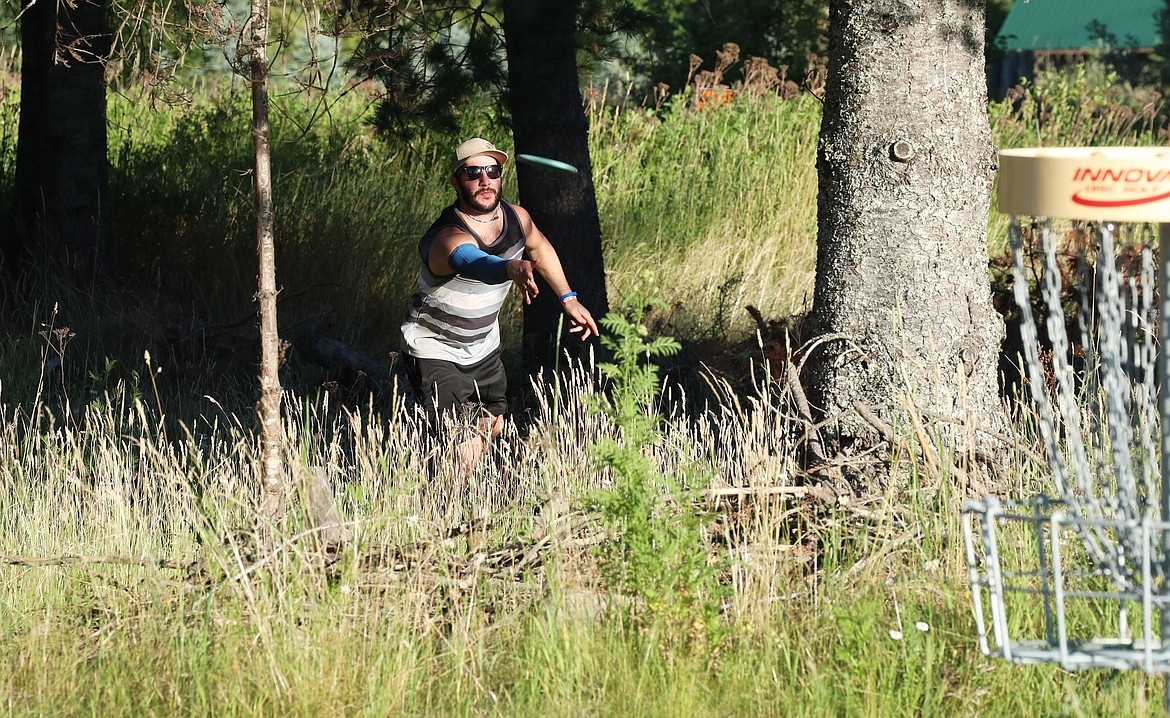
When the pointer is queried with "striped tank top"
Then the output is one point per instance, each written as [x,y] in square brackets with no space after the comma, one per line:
[454,318]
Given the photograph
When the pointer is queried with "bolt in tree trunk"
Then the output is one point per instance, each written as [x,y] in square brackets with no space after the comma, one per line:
[548,120]
[905,167]
[268,408]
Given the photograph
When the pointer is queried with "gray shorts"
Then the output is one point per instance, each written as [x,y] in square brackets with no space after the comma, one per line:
[473,390]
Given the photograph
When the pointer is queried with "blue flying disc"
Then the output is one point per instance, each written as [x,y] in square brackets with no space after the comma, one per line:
[546,162]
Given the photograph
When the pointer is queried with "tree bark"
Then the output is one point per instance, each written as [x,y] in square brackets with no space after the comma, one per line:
[61,202]
[548,120]
[268,408]
[905,168]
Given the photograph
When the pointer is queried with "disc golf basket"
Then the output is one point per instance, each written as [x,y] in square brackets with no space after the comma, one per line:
[1080,577]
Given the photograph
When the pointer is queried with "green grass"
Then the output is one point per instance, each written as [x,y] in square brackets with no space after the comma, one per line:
[722,202]
[683,190]
[815,592]
[102,455]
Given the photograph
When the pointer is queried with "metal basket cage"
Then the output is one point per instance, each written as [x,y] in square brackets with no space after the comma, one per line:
[1040,597]
[1083,580]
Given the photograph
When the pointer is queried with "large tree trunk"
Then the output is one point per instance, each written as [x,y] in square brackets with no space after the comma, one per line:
[548,120]
[905,165]
[268,409]
[61,188]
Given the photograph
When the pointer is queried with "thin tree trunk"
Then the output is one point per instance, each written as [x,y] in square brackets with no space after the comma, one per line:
[905,166]
[268,409]
[548,120]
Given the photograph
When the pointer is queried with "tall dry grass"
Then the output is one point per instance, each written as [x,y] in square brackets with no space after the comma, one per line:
[832,609]
[130,582]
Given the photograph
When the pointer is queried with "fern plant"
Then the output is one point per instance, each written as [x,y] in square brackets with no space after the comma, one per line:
[658,556]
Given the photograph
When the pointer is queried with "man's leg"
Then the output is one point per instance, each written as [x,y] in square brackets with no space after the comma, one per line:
[449,389]
[469,452]
[491,385]
[475,398]
[468,455]
[491,388]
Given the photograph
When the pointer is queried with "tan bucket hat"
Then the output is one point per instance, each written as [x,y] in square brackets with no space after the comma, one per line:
[471,148]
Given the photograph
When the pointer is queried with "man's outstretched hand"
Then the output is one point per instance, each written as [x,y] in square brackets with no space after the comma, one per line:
[580,320]
[523,273]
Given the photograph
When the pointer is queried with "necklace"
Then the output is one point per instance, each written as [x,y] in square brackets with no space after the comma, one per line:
[473,218]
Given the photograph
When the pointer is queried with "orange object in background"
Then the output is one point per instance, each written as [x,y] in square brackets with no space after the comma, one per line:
[714,96]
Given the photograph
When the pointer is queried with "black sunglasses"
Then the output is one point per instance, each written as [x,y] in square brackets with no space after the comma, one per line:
[472,172]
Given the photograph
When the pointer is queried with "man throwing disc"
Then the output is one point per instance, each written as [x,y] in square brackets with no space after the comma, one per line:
[471,256]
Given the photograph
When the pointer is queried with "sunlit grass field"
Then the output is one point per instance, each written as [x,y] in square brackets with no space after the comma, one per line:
[153,601]
[134,579]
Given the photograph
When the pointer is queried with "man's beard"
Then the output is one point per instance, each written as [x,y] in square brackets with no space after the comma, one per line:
[470,200]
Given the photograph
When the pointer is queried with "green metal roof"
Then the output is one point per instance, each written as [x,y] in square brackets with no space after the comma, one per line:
[1062,25]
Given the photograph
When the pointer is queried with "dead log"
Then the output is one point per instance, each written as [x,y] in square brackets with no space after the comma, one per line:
[348,366]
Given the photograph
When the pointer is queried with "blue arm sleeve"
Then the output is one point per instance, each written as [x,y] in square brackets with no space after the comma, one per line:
[473,262]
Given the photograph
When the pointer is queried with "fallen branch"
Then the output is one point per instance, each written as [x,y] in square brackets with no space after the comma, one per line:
[387,578]
[797,491]
[337,356]
[812,434]
[845,501]
[1007,441]
[141,561]
[930,454]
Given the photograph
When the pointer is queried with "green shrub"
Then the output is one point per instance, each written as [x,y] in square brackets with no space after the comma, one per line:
[659,556]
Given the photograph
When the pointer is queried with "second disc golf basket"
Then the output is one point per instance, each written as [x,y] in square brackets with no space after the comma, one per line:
[1079,577]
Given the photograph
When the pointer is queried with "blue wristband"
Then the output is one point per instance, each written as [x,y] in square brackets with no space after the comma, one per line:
[566,297]
[471,261]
